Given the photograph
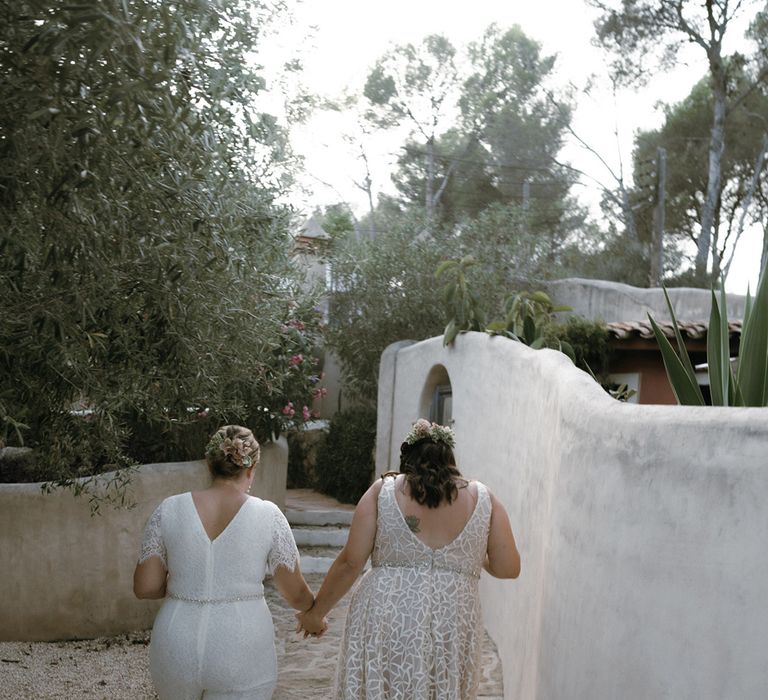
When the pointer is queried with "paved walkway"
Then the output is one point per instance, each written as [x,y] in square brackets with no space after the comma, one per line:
[307,666]
[117,668]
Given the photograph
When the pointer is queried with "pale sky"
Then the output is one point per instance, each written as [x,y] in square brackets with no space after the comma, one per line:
[338,41]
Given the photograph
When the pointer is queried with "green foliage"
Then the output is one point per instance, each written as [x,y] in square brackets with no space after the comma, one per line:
[463,305]
[589,341]
[504,138]
[383,291]
[528,316]
[345,462]
[411,83]
[508,251]
[749,386]
[611,255]
[145,277]
[685,135]
[337,222]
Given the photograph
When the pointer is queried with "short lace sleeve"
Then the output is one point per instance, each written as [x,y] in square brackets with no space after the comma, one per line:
[152,544]
[284,551]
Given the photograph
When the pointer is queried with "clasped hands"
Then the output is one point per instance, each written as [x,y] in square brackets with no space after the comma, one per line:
[311,623]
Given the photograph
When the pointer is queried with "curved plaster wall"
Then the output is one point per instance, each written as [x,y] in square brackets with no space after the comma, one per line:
[613,301]
[642,529]
[67,574]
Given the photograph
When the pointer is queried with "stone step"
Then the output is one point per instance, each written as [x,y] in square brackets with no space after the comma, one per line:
[319,518]
[319,551]
[327,536]
[318,562]
[315,565]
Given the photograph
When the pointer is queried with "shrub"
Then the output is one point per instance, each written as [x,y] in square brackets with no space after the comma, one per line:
[345,463]
[146,287]
[589,341]
[384,290]
[303,449]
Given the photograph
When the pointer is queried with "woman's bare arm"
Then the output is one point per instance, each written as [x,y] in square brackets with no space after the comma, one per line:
[351,560]
[503,559]
[293,587]
[149,579]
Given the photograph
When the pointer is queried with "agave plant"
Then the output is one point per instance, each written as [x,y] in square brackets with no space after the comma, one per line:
[749,385]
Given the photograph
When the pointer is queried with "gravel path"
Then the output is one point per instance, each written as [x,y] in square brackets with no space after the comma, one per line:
[116,668]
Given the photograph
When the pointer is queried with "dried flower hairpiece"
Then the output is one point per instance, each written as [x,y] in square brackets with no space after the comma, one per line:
[422,429]
[239,450]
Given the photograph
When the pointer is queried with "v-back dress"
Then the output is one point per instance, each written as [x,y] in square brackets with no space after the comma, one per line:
[414,627]
[213,636]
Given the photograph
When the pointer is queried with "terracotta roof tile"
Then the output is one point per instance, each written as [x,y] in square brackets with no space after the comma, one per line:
[624,330]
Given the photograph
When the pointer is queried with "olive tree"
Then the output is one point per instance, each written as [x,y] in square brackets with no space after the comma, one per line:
[146,284]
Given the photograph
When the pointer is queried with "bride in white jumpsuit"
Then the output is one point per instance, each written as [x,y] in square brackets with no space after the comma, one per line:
[207,554]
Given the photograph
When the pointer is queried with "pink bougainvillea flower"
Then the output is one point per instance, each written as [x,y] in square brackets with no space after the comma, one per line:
[305,413]
[295,360]
[288,409]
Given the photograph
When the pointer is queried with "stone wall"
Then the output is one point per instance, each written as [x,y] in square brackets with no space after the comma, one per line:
[642,529]
[613,301]
[67,574]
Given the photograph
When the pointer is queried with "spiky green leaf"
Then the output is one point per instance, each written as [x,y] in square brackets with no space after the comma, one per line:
[450,333]
[717,361]
[444,266]
[683,382]
[752,374]
[682,350]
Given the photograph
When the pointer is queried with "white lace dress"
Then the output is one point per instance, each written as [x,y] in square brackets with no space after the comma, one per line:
[213,636]
[414,628]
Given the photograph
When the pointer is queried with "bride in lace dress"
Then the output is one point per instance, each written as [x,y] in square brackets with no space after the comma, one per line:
[207,553]
[413,628]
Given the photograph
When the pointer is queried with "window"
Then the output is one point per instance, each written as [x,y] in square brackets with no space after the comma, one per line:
[441,409]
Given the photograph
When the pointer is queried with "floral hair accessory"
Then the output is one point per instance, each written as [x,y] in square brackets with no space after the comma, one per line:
[424,430]
[238,450]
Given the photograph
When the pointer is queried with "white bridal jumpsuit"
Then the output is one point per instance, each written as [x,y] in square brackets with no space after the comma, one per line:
[213,636]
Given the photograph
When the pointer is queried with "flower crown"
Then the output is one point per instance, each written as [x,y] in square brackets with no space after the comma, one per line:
[423,429]
[237,449]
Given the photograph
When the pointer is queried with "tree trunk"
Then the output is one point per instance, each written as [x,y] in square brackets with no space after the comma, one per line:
[717,261]
[716,148]
[429,198]
[657,239]
[371,209]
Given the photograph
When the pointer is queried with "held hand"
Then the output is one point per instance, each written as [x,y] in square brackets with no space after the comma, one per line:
[311,624]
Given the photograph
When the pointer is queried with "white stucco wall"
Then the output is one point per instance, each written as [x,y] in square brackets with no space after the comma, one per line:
[642,529]
[65,574]
[613,301]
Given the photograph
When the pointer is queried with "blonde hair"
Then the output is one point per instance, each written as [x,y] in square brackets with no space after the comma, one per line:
[231,449]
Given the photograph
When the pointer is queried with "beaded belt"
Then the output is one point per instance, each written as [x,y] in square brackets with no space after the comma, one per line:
[425,565]
[214,601]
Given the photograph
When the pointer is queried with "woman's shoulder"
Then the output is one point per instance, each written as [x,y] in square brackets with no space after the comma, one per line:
[175,500]
[476,487]
[264,507]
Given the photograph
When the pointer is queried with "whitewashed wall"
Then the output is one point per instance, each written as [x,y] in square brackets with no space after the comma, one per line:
[65,574]
[643,529]
[614,301]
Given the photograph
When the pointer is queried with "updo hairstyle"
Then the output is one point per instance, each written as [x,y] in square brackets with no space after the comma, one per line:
[231,449]
[430,469]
